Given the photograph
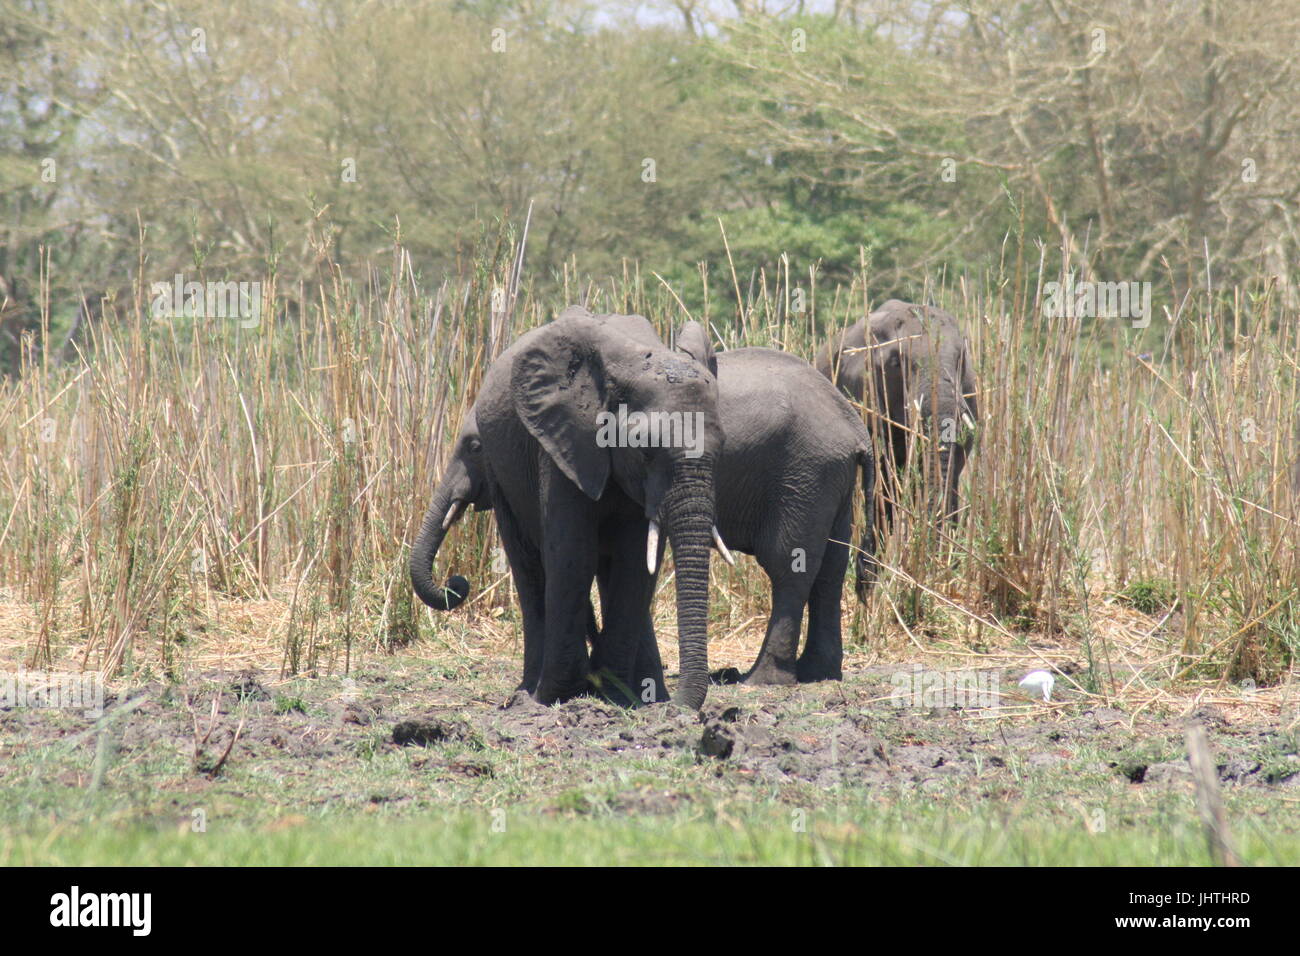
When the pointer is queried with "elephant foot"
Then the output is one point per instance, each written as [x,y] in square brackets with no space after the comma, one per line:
[640,692]
[549,694]
[812,669]
[767,672]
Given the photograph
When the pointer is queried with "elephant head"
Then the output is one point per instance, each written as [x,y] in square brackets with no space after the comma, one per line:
[463,484]
[619,413]
[925,388]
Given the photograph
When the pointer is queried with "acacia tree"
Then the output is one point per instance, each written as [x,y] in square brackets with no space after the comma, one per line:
[1131,134]
[33,131]
[230,149]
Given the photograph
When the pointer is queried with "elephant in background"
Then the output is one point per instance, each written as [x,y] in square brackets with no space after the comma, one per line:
[924,393]
[575,500]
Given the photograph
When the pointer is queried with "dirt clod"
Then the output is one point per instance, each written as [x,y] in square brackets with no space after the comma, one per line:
[247,687]
[426,731]
[717,741]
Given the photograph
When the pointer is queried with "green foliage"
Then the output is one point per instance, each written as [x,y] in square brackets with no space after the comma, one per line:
[819,143]
[1148,596]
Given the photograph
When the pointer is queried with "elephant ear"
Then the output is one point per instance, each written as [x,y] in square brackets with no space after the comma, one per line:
[692,339]
[558,389]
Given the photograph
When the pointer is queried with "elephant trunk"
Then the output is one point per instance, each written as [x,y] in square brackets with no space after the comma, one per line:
[940,468]
[688,517]
[952,456]
[950,475]
[944,493]
[425,549]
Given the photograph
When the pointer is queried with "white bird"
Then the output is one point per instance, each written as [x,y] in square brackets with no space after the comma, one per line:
[1039,680]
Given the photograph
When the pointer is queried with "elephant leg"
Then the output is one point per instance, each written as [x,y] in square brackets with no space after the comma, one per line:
[569,556]
[953,482]
[599,661]
[776,662]
[890,490]
[823,654]
[530,584]
[627,589]
[648,671]
[647,684]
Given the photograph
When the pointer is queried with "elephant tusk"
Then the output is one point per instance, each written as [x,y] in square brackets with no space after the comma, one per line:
[452,514]
[652,548]
[968,422]
[722,548]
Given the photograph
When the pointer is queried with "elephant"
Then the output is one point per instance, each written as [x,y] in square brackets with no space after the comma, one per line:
[792,457]
[792,453]
[924,393]
[464,485]
[592,445]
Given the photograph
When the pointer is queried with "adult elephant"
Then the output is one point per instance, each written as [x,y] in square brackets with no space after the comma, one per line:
[795,450]
[464,485]
[791,461]
[924,392]
[591,441]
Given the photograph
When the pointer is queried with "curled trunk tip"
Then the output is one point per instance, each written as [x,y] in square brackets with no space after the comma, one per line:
[451,595]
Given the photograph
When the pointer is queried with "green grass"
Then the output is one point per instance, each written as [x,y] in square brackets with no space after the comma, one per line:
[519,839]
[1149,597]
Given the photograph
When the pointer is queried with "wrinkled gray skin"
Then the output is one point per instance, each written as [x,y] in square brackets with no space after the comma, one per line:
[569,510]
[791,461]
[924,390]
[786,483]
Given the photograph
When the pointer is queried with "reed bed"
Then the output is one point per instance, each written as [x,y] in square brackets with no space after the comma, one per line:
[197,491]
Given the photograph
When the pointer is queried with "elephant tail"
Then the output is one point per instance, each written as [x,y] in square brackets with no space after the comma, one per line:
[866,567]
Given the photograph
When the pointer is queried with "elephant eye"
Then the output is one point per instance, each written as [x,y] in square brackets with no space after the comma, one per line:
[475,445]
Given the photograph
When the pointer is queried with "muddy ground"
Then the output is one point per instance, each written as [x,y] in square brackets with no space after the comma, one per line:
[406,735]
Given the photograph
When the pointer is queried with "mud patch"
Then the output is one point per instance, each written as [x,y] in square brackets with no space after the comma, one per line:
[407,736]
[427,731]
